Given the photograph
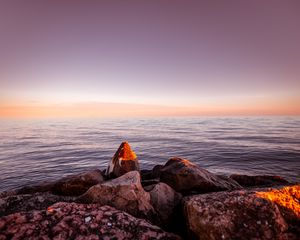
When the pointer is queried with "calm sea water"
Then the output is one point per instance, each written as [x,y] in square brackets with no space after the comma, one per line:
[40,150]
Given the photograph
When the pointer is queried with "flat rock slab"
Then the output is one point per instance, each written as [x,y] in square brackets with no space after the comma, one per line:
[245,214]
[78,221]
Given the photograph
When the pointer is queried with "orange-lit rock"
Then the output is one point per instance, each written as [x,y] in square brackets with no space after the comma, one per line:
[245,214]
[123,161]
[124,193]
[79,221]
[186,177]
[287,198]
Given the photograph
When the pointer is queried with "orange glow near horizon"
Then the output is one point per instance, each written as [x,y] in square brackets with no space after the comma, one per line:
[97,109]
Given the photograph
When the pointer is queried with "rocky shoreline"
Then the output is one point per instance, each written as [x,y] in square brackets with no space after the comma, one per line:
[178,200]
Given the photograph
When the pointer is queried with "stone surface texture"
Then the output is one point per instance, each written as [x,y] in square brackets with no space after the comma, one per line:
[78,221]
[245,214]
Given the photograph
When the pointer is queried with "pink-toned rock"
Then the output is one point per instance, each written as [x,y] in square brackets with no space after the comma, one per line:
[78,221]
[123,161]
[245,214]
[186,177]
[124,193]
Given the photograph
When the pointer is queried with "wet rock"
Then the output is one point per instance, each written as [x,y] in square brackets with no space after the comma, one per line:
[26,202]
[164,200]
[78,221]
[186,177]
[245,214]
[260,180]
[77,184]
[123,161]
[124,193]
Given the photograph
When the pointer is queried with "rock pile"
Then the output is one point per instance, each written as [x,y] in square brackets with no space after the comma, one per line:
[126,203]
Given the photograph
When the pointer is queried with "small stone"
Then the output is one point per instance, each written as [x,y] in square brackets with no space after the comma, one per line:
[87,219]
[109,224]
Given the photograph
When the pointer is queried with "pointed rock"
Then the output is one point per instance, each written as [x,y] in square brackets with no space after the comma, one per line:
[123,161]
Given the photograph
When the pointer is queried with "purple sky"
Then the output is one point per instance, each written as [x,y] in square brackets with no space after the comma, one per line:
[201,54]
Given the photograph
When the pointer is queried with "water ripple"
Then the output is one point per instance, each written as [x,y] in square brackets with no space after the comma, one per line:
[33,151]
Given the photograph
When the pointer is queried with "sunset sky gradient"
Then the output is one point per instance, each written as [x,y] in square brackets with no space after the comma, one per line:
[149,58]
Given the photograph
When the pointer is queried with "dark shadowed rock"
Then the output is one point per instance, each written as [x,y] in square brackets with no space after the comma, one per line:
[41,187]
[156,171]
[77,184]
[73,185]
[78,221]
[151,174]
[124,193]
[26,202]
[263,180]
[146,174]
[186,177]
[123,161]
[150,182]
[164,200]
[245,214]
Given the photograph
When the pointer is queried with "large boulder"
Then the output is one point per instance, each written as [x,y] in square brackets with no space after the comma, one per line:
[77,184]
[245,214]
[78,221]
[72,185]
[124,193]
[123,161]
[164,200]
[259,180]
[186,177]
[12,203]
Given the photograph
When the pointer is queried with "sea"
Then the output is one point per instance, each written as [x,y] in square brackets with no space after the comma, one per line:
[34,151]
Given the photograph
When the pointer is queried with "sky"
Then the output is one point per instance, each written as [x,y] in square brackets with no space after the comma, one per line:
[149,58]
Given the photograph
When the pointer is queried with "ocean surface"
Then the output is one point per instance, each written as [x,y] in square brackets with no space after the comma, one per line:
[33,151]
